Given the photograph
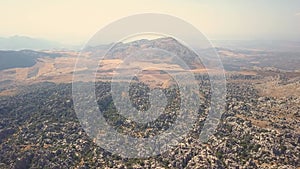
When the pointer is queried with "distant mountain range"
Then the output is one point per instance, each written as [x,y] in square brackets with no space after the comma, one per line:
[266,45]
[24,42]
[233,55]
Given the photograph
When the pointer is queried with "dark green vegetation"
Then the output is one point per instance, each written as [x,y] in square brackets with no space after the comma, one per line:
[22,58]
[39,129]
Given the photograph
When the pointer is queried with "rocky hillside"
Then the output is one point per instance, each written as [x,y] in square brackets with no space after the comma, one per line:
[39,128]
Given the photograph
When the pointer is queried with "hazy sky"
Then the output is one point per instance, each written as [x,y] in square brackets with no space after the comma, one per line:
[75,21]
